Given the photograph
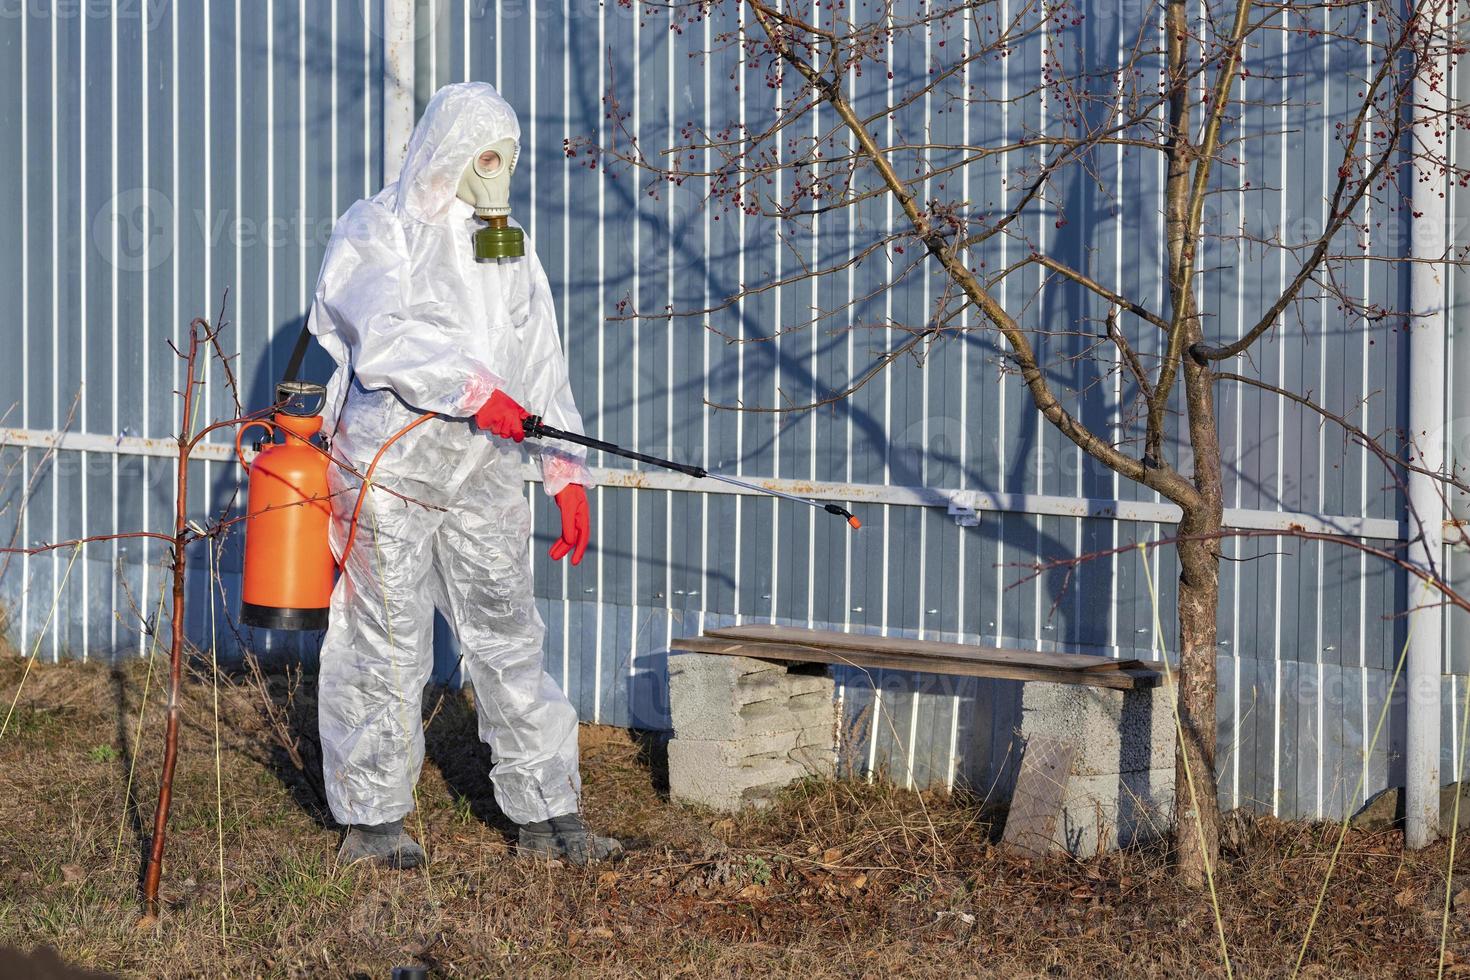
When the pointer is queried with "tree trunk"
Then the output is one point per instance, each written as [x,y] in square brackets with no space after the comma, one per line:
[1197,827]
[1196,806]
[153,873]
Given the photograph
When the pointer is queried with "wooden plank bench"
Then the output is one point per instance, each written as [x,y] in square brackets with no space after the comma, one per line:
[754,709]
[796,645]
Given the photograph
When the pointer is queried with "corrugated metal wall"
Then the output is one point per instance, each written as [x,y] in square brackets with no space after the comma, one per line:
[162,156]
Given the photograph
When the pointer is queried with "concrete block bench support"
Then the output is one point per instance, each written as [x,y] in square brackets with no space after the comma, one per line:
[1120,789]
[753,710]
[744,728]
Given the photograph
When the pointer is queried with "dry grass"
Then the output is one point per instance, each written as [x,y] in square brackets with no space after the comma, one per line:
[838,879]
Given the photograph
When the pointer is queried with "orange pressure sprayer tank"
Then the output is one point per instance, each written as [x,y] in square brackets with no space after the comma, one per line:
[288,562]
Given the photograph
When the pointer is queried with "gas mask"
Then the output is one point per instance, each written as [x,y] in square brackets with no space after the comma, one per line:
[485,184]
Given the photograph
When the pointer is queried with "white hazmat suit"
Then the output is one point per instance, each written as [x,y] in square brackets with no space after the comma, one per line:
[416,325]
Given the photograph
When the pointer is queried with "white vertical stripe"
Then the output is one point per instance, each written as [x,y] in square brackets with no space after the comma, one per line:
[637,380]
[1119,231]
[146,278]
[813,371]
[741,86]
[534,58]
[1235,567]
[888,222]
[433,36]
[336,154]
[25,316]
[173,143]
[239,291]
[847,411]
[113,463]
[566,282]
[601,343]
[704,337]
[1364,461]
[668,440]
[367,98]
[779,340]
[917,696]
[873,729]
[270,178]
[206,252]
[924,392]
[83,315]
[1326,137]
[1156,643]
[301,144]
[55,311]
[1000,390]
[913,739]
[1280,446]
[1038,610]
[952,763]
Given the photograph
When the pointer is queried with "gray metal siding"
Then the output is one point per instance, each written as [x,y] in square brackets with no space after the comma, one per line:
[263,120]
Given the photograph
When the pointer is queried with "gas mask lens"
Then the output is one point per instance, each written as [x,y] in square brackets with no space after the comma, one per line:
[488,164]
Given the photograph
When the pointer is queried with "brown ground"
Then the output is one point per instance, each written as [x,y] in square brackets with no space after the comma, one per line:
[838,879]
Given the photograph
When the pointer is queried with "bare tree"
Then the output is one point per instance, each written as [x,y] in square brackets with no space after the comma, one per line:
[1176,92]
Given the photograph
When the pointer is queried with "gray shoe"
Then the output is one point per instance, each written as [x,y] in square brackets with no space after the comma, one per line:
[566,837]
[383,843]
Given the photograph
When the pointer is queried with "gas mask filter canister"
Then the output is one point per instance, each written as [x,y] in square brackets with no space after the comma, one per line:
[485,185]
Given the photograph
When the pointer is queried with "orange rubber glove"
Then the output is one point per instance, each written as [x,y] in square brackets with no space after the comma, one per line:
[503,416]
[576,524]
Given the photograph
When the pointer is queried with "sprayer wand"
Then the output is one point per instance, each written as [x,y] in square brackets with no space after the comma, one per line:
[537,429]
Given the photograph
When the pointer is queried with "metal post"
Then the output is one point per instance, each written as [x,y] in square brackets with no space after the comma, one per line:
[398,105]
[1427,416]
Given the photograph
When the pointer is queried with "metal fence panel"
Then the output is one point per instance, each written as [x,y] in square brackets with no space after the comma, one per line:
[163,160]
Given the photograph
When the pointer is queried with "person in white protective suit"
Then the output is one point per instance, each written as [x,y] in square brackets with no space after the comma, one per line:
[416,324]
